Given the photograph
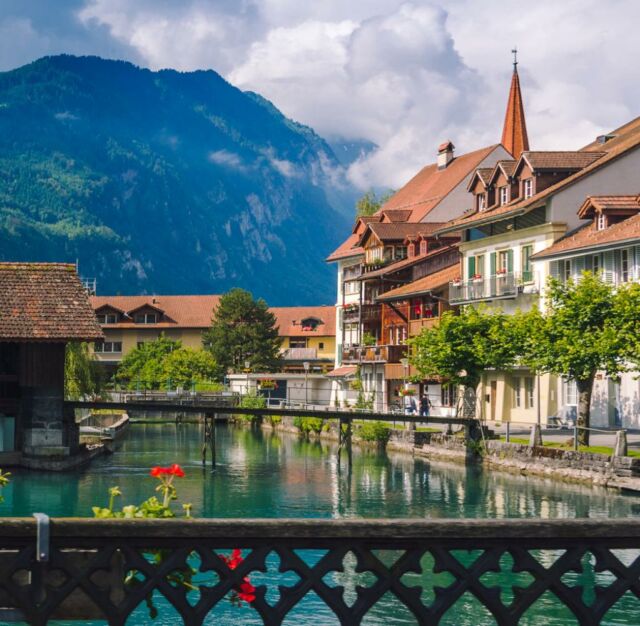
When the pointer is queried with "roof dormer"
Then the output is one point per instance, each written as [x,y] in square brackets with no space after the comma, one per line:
[146,314]
[608,210]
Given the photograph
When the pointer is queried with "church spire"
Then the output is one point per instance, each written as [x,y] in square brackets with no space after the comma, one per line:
[514,133]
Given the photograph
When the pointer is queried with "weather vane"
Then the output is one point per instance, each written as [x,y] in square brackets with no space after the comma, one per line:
[515,56]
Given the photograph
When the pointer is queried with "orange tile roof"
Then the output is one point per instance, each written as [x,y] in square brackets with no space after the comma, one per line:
[404,263]
[348,248]
[430,185]
[423,285]
[484,174]
[560,160]
[514,131]
[587,238]
[44,302]
[397,215]
[626,139]
[399,231]
[197,312]
[343,372]
[289,320]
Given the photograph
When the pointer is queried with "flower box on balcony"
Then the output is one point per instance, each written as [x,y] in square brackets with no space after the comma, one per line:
[268,384]
[501,273]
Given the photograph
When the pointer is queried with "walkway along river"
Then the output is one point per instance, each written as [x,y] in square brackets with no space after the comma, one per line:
[268,475]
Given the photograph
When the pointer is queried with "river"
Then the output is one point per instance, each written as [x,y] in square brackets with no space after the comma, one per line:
[266,475]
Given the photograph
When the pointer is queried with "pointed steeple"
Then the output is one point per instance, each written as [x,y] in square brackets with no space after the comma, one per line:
[514,133]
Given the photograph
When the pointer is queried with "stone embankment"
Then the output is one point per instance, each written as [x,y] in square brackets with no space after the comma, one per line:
[621,472]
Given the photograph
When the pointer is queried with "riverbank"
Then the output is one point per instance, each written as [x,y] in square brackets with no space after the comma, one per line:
[553,463]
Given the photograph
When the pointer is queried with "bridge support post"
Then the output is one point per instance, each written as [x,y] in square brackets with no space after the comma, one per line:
[212,440]
[344,439]
[209,439]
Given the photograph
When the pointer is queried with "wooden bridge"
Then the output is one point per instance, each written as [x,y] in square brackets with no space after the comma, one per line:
[218,410]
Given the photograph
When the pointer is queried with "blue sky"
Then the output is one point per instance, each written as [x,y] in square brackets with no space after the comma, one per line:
[405,75]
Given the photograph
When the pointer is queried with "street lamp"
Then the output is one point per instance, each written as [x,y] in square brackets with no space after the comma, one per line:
[306,366]
[405,365]
[247,370]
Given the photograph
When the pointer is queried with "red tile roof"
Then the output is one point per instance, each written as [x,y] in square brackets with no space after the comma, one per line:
[626,139]
[289,320]
[197,312]
[348,248]
[560,160]
[603,204]
[587,238]
[397,215]
[394,231]
[514,131]
[343,372]
[44,302]
[423,285]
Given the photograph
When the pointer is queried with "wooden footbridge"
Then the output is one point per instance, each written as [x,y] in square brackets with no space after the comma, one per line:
[219,409]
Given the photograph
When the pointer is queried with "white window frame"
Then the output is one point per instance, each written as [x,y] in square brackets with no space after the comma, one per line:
[145,318]
[108,347]
[107,318]
[517,393]
[529,392]
[625,266]
[527,188]
[570,392]
[482,202]
[504,195]
[601,222]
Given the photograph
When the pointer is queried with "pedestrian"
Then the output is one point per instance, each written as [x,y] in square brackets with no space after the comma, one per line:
[409,405]
[425,406]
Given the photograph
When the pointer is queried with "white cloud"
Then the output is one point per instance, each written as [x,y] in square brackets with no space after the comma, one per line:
[225,157]
[404,75]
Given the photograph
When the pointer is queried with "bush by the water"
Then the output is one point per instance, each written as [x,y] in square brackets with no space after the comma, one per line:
[374,431]
[308,425]
[251,401]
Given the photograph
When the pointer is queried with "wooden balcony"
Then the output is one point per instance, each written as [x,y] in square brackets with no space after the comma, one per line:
[370,313]
[374,354]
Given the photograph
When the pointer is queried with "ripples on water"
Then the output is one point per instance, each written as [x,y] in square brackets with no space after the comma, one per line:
[265,475]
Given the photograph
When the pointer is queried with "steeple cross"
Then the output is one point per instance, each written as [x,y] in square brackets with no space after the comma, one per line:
[515,56]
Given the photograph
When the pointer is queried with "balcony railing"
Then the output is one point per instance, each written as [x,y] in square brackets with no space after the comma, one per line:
[353,568]
[374,354]
[299,354]
[507,285]
[370,313]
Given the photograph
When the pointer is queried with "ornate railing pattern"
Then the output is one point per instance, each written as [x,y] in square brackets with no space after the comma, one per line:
[399,557]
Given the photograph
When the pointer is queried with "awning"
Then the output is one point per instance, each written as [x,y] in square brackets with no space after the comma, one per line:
[343,372]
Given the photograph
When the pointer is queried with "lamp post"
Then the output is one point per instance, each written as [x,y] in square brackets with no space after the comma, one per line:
[306,366]
[247,370]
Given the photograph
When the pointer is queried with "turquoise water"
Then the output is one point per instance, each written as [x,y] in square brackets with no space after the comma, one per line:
[265,475]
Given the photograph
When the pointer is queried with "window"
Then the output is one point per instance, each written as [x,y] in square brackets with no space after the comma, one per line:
[517,393]
[566,275]
[107,318]
[448,395]
[145,318]
[597,266]
[482,201]
[423,246]
[505,262]
[310,323]
[298,343]
[504,195]
[108,346]
[527,271]
[570,392]
[601,223]
[321,346]
[527,187]
[529,386]
[624,265]
[401,252]
[139,344]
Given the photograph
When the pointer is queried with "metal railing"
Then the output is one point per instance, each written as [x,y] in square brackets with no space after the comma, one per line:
[503,285]
[76,568]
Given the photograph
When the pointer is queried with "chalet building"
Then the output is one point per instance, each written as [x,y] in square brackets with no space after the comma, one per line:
[519,210]
[370,261]
[308,333]
[43,306]
[607,244]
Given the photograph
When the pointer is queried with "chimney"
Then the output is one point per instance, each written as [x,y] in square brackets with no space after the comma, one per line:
[445,154]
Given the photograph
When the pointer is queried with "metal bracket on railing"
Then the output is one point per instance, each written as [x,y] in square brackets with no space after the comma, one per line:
[43,529]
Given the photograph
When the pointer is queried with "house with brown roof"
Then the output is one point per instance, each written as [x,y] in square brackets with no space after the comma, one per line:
[43,306]
[308,333]
[525,209]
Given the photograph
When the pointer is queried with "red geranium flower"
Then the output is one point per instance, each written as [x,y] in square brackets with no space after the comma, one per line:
[247,591]
[176,470]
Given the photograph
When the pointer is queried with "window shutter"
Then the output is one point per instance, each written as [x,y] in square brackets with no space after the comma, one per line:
[509,261]
[492,263]
[472,266]
[608,267]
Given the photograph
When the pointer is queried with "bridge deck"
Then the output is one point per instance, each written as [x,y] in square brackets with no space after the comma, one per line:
[225,409]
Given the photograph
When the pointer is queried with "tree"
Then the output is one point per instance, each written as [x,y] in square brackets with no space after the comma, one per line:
[186,367]
[144,365]
[588,326]
[370,202]
[463,345]
[243,329]
[81,374]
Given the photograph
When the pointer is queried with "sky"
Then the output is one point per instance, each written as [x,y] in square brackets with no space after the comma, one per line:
[404,75]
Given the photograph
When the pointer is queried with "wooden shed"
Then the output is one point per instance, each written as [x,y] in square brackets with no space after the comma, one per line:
[43,306]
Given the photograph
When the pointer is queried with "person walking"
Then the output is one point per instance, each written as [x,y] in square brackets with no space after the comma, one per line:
[409,405]
[425,406]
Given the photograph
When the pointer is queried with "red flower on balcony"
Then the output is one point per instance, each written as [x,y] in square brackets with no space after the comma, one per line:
[245,591]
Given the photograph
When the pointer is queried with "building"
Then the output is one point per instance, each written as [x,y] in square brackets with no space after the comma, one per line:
[43,306]
[519,210]
[308,333]
[608,244]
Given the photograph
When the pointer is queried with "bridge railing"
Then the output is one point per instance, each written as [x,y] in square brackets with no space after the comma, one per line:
[426,569]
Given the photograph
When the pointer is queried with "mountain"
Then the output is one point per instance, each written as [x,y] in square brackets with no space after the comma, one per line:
[166,182]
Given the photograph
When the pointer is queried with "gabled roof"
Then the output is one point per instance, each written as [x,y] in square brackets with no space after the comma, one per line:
[505,167]
[45,302]
[399,231]
[289,320]
[434,281]
[587,239]
[147,305]
[557,160]
[611,204]
[514,131]
[396,215]
[483,174]
[404,263]
[626,139]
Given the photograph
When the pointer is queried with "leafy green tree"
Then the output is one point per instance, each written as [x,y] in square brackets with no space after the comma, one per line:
[588,326]
[463,345]
[243,329]
[186,366]
[144,365]
[81,372]
[370,202]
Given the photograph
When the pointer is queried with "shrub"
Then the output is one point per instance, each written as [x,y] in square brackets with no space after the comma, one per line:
[251,401]
[308,425]
[374,431]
